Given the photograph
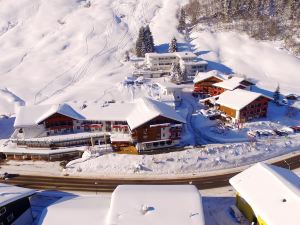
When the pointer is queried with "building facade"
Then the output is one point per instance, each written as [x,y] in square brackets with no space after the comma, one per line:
[241,105]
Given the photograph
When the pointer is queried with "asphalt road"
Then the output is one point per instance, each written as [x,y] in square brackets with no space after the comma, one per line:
[108,185]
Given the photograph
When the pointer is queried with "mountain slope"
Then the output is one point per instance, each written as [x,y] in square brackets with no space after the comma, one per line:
[54,51]
[70,50]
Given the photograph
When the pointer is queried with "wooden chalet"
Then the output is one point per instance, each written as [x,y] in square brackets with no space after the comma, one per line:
[145,123]
[203,82]
[229,85]
[242,105]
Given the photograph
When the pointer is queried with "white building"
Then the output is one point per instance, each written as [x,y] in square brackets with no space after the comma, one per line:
[130,205]
[187,60]
[15,207]
[268,194]
[170,93]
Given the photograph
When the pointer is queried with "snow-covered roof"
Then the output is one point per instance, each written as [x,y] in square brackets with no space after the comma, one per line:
[75,210]
[147,109]
[183,55]
[193,63]
[231,83]
[205,75]
[10,193]
[111,112]
[169,85]
[33,115]
[158,55]
[272,192]
[237,99]
[159,205]
[136,113]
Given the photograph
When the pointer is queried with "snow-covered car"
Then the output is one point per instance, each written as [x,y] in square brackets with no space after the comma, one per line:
[252,133]
[211,114]
[4,175]
[281,133]
[260,133]
[265,132]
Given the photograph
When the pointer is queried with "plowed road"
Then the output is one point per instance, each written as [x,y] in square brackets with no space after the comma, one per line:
[108,185]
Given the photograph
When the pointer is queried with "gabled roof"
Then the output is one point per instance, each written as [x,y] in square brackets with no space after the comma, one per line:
[10,193]
[33,115]
[156,204]
[136,114]
[63,109]
[147,109]
[272,192]
[201,76]
[231,83]
[238,98]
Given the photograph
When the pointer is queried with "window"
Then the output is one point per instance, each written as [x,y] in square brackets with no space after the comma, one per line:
[78,127]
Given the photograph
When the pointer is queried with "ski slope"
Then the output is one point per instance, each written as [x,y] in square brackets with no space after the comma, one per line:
[69,51]
[63,50]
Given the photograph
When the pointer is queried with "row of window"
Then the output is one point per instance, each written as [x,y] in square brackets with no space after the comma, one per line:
[251,113]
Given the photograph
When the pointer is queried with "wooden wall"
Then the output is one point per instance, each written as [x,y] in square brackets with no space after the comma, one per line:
[146,133]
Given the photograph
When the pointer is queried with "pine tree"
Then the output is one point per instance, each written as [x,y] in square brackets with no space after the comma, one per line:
[276,95]
[173,45]
[127,57]
[176,73]
[148,40]
[140,43]
[182,24]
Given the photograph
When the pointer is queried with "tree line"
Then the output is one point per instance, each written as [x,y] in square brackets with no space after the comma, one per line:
[261,19]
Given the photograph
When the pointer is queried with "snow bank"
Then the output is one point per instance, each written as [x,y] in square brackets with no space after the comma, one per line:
[192,161]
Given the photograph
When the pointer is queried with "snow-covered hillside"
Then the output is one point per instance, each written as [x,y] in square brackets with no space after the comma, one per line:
[70,50]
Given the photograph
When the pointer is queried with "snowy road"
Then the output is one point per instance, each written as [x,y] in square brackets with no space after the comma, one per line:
[108,185]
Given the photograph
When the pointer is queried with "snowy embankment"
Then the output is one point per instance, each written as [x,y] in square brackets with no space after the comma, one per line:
[188,162]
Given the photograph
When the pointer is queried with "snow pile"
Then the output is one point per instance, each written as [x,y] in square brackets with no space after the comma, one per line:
[191,161]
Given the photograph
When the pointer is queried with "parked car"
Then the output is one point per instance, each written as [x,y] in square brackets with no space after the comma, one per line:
[252,133]
[4,175]
[260,133]
[281,133]
[296,128]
